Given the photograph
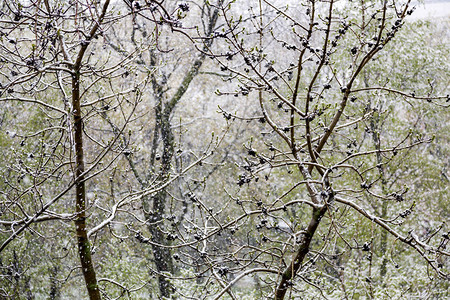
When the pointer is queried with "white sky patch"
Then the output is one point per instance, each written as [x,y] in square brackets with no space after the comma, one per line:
[432,9]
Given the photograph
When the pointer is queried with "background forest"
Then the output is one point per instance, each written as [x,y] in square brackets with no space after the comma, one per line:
[217,149]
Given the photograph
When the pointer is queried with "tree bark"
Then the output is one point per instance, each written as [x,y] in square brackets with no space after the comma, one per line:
[376,126]
[84,248]
[303,249]
[55,289]
[162,256]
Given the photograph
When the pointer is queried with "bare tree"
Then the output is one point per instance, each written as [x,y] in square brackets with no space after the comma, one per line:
[50,61]
[308,68]
[328,174]
[159,162]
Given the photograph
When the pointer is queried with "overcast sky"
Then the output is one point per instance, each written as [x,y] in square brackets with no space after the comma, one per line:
[432,9]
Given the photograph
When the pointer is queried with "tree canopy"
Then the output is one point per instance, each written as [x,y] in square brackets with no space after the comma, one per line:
[223,149]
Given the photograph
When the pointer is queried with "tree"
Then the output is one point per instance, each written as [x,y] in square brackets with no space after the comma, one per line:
[327,182]
[50,61]
[309,69]
[43,54]
[162,143]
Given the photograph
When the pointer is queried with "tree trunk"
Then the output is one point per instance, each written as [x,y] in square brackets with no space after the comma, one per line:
[376,126]
[55,289]
[162,256]
[84,248]
[290,272]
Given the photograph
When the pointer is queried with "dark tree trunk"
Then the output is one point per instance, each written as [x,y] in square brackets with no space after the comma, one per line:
[162,256]
[303,249]
[55,289]
[84,248]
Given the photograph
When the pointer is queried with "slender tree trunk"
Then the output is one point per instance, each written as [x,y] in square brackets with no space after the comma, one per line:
[383,243]
[162,256]
[55,289]
[84,248]
[376,125]
[303,249]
